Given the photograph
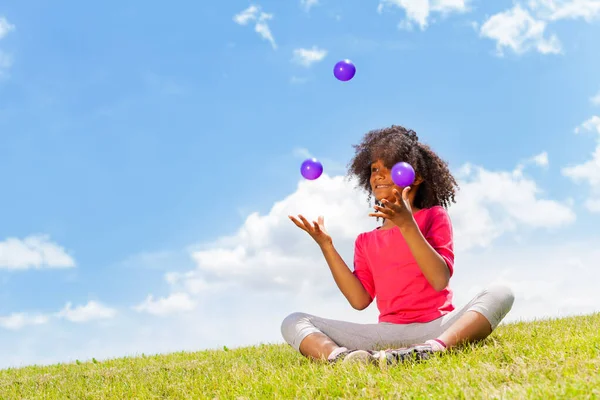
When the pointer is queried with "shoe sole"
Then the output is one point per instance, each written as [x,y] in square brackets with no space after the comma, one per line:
[411,354]
[361,356]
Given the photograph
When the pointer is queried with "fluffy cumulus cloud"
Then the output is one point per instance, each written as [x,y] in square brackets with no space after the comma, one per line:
[588,172]
[549,280]
[491,204]
[253,14]
[269,252]
[308,57]
[420,11]
[35,251]
[523,27]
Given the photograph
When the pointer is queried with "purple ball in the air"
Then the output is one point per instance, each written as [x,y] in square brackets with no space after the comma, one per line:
[344,70]
[311,169]
[403,174]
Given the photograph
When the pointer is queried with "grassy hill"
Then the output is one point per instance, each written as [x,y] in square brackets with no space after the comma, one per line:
[546,359]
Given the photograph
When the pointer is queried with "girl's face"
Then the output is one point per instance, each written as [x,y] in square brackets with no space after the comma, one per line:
[382,183]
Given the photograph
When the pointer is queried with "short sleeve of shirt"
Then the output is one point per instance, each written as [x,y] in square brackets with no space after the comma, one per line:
[439,236]
[361,267]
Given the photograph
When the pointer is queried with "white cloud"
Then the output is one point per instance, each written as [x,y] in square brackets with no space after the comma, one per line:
[517,30]
[249,14]
[308,4]
[307,57]
[190,282]
[593,205]
[269,250]
[589,171]
[523,28]
[17,321]
[592,124]
[554,10]
[263,29]
[449,6]
[490,204]
[419,11]
[5,27]
[549,280]
[175,303]
[541,159]
[254,14]
[33,252]
[91,311]
[595,99]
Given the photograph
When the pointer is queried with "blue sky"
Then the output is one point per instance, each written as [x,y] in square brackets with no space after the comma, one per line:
[135,137]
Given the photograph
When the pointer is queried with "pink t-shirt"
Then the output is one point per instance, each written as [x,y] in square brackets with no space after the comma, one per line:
[387,269]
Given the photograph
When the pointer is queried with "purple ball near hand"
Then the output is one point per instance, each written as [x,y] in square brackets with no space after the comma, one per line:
[403,174]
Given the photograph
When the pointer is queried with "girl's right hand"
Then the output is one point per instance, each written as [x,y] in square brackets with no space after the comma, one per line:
[316,230]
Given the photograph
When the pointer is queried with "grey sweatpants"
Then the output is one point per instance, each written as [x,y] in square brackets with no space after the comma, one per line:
[493,303]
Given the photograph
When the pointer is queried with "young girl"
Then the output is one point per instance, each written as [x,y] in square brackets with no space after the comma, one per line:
[406,264]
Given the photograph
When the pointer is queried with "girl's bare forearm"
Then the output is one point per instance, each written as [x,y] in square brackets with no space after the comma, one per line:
[346,281]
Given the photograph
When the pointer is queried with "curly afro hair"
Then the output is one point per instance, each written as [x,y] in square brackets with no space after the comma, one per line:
[394,144]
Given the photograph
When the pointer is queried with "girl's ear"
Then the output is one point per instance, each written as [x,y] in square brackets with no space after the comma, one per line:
[418,180]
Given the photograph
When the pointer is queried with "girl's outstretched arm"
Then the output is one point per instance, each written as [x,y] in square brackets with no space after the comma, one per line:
[346,281]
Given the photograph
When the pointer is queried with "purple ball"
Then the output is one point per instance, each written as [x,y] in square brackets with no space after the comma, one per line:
[311,169]
[403,174]
[344,70]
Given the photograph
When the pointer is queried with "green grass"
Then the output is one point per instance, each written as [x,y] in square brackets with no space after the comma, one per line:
[546,359]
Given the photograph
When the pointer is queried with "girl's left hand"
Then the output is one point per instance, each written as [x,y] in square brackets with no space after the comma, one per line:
[399,212]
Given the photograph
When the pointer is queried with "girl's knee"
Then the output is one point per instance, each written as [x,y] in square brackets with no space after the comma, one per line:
[503,295]
[289,325]
[292,319]
[495,303]
[295,327]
